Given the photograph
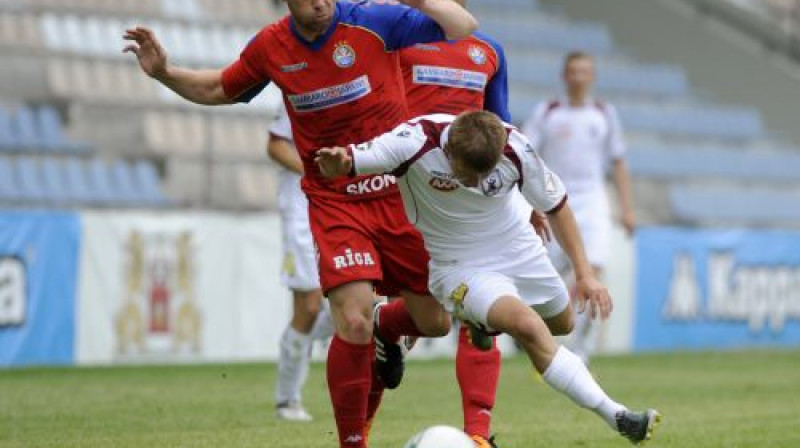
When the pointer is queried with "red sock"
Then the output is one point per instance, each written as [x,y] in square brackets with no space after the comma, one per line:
[374,401]
[477,373]
[396,321]
[349,377]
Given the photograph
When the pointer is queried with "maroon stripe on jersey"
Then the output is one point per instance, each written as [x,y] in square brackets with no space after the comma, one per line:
[433,131]
[509,152]
[551,106]
[558,206]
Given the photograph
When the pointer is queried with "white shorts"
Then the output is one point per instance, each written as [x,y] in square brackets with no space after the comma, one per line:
[594,223]
[299,269]
[470,291]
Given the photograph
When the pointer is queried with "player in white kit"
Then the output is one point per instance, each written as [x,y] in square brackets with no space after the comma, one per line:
[488,266]
[311,318]
[579,137]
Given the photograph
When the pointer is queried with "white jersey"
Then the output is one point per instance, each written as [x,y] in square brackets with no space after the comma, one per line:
[291,199]
[460,222]
[577,142]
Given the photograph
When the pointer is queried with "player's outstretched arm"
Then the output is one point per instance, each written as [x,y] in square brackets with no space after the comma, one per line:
[456,22]
[588,288]
[334,162]
[198,86]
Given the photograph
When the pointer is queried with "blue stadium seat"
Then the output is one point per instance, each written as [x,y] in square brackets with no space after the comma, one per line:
[29,181]
[8,188]
[54,182]
[588,37]
[517,5]
[124,180]
[8,141]
[52,132]
[23,125]
[675,163]
[77,182]
[101,183]
[742,204]
[148,183]
[741,123]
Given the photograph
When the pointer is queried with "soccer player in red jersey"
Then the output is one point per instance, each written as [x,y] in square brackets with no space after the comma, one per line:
[453,77]
[336,66]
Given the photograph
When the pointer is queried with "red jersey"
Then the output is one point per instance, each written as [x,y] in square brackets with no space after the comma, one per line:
[343,87]
[453,77]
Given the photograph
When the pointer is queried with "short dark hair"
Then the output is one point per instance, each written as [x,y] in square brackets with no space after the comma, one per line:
[477,140]
[576,55]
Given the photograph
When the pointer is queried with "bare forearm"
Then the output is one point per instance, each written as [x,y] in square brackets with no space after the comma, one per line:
[197,86]
[282,152]
[565,229]
[456,21]
[622,180]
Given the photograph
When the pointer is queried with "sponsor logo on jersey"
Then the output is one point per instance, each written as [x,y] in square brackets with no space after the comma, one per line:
[427,47]
[371,185]
[331,96]
[404,134]
[492,184]
[343,55]
[350,259]
[294,67]
[441,184]
[449,77]
[477,55]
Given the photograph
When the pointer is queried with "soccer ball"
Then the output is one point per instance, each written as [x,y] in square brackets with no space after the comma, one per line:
[440,437]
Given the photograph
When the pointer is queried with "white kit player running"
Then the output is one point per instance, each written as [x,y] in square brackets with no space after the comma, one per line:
[579,137]
[488,266]
[311,319]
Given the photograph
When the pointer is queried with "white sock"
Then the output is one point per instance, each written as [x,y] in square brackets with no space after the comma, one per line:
[581,341]
[292,365]
[567,374]
[323,328]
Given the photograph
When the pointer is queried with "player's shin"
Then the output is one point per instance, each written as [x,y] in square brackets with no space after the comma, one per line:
[349,373]
[478,373]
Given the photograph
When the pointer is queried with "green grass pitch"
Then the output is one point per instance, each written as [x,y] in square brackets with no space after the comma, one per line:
[725,400]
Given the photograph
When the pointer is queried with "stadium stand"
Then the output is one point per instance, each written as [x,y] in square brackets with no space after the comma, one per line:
[680,138]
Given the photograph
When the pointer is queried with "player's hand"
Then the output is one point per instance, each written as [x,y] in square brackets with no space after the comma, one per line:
[629,223]
[151,55]
[333,162]
[539,222]
[590,292]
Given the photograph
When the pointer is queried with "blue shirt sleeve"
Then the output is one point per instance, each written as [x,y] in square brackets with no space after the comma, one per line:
[398,25]
[496,93]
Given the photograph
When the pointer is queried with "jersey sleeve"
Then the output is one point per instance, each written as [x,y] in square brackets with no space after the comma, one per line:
[615,146]
[399,26]
[496,94]
[390,152]
[542,188]
[534,126]
[281,127]
[245,78]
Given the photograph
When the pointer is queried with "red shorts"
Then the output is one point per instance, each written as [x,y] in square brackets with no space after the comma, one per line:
[368,240]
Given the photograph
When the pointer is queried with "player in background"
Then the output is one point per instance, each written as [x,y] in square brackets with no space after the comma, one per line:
[488,266]
[336,66]
[578,136]
[311,319]
[453,77]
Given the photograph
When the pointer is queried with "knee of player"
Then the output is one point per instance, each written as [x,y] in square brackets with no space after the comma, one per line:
[526,326]
[564,326]
[356,327]
[436,327]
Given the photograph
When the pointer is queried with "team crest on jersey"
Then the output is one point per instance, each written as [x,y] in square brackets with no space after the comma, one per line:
[343,55]
[477,54]
[492,184]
